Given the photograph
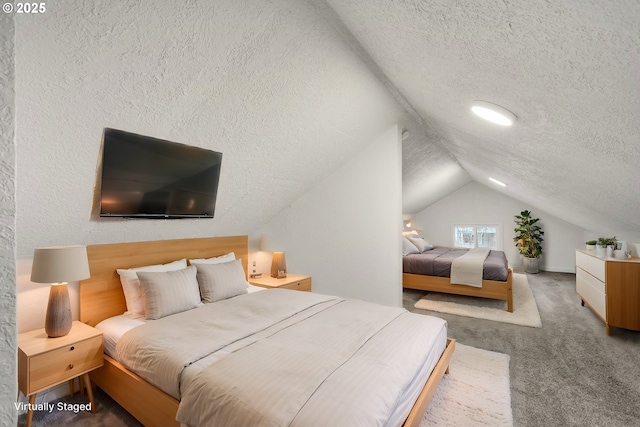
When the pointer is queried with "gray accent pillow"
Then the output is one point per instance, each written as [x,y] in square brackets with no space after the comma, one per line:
[170,292]
[221,281]
[131,285]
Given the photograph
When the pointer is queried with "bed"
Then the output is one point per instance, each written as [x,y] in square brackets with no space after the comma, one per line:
[101,297]
[430,271]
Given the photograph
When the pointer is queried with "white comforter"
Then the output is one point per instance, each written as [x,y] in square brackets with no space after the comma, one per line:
[291,358]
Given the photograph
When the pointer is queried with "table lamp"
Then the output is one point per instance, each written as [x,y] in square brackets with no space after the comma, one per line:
[58,265]
[278,266]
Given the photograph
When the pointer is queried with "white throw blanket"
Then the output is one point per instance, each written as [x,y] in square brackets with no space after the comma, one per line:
[467,269]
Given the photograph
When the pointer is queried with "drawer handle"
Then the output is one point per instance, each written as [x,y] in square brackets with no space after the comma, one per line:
[72,348]
[70,365]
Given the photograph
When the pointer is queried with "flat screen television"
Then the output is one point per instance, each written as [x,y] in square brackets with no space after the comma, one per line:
[144,177]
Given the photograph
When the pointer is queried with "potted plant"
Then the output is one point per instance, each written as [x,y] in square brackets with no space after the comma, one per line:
[591,245]
[605,246]
[528,239]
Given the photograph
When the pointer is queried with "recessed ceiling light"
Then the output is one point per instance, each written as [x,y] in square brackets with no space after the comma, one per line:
[495,181]
[493,113]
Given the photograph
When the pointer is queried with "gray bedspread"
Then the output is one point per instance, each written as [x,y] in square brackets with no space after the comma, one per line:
[437,262]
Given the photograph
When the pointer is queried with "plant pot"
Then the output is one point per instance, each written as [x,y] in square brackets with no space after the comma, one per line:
[619,254]
[591,247]
[531,265]
[601,251]
[609,251]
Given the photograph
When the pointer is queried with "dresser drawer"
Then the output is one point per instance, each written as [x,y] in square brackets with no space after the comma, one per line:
[300,285]
[591,264]
[55,366]
[592,291]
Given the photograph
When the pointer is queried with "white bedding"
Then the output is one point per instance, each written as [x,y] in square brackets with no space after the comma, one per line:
[406,345]
[437,333]
[114,327]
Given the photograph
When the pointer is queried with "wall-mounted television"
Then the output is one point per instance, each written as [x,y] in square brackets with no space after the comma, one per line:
[145,177]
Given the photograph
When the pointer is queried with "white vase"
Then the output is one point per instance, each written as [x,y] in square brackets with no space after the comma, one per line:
[610,249]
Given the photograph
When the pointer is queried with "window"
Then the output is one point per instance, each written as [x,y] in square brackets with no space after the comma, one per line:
[477,236]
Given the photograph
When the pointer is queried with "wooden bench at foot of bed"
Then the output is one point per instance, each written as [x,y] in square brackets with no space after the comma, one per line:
[490,288]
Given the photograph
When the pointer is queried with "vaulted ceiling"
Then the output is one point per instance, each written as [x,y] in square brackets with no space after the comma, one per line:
[569,70]
[289,90]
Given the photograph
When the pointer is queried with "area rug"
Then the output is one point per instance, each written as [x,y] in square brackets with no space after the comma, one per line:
[525,309]
[476,391]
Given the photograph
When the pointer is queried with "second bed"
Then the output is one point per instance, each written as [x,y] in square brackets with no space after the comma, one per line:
[430,271]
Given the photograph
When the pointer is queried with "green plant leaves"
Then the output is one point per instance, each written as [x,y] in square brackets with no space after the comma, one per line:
[529,235]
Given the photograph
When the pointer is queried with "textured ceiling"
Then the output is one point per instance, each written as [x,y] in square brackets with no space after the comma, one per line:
[289,90]
[569,70]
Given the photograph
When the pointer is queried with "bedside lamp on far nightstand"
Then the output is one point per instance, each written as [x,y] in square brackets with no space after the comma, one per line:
[278,266]
[58,265]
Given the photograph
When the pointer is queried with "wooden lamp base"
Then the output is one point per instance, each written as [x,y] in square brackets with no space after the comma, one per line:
[58,319]
[278,266]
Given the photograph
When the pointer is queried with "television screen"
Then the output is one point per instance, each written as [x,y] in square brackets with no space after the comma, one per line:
[152,178]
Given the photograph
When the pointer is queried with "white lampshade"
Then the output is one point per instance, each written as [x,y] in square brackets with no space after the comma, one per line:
[60,264]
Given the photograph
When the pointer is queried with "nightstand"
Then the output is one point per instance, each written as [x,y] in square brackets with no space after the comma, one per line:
[292,281]
[44,362]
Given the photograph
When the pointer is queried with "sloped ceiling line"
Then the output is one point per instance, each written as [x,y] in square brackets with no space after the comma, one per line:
[566,69]
[424,150]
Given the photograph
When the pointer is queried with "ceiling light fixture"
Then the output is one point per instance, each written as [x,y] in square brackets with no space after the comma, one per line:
[495,181]
[493,113]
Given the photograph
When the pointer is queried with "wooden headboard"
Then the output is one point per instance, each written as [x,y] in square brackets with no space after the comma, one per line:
[101,295]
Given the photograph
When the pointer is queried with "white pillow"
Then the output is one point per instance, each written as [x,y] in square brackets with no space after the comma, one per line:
[168,292]
[408,248]
[221,281]
[215,260]
[420,243]
[131,285]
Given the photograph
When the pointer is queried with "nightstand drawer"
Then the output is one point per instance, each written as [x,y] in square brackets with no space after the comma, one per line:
[300,285]
[56,366]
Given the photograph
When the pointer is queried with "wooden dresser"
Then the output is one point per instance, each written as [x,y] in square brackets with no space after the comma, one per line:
[611,288]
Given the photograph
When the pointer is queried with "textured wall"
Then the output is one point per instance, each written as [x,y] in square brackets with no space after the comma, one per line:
[488,206]
[271,84]
[8,339]
[345,231]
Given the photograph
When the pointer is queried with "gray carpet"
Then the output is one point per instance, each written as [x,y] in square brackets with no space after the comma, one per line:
[108,414]
[569,373]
